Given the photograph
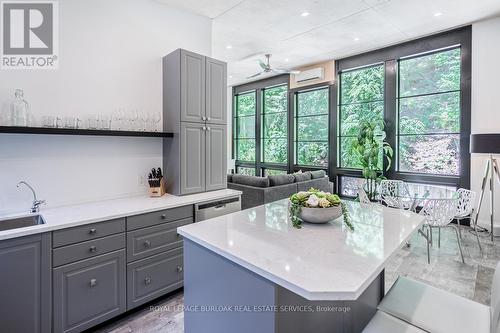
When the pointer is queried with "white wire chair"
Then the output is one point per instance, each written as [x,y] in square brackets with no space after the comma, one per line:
[363,197]
[394,193]
[439,213]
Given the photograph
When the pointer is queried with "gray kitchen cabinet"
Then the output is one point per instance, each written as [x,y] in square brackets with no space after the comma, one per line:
[193,83]
[89,292]
[188,115]
[193,156]
[154,276]
[25,284]
[216,91]
[216,159]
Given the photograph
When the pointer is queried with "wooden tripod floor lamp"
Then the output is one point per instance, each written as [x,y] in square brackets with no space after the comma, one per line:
[487,144]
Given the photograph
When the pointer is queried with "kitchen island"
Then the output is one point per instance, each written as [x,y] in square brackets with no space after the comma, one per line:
[252,271]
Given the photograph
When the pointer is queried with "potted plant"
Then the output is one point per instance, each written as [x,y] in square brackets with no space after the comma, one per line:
[371,148]
[315,206]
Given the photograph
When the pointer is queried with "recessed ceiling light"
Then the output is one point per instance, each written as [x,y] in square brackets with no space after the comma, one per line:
[304,14]
[286,59]
[356,39]
[229,47]
[438,14]
[230,76]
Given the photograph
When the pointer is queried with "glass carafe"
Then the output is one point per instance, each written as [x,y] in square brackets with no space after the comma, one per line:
[19,110]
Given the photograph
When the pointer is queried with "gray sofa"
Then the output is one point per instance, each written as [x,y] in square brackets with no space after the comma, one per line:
[261,190]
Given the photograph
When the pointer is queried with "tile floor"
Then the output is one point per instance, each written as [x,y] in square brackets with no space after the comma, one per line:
[446,271]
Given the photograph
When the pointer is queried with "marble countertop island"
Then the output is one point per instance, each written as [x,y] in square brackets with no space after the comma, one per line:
[317,262]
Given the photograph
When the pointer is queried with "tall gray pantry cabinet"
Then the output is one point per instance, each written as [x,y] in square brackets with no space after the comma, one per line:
[195,110]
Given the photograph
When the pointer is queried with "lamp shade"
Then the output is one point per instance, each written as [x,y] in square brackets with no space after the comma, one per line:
[485,143]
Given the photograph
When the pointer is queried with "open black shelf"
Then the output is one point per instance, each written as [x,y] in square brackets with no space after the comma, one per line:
[78,131]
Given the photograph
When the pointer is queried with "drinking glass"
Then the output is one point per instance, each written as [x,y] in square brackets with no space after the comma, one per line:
[157,121]
[105,122]
[48,121]
[69,122]
[93,121]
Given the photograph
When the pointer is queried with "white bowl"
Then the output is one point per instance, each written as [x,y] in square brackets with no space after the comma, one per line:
[320,215]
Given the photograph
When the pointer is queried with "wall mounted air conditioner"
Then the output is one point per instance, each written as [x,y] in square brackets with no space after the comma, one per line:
[310,74]
[313,75]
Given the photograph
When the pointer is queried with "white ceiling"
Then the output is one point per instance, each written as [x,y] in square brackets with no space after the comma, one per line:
[333,29]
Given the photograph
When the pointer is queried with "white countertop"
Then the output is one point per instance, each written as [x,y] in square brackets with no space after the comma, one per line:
[318,262]
[75,215]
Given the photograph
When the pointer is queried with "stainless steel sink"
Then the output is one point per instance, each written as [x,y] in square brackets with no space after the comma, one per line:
[21,222]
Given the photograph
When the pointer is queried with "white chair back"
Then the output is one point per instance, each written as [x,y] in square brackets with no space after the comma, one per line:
[363,197]
[495,302]
[466,202]
[394,193]
[439,212]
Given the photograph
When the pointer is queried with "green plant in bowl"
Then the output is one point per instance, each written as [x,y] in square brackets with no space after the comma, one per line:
[315,199]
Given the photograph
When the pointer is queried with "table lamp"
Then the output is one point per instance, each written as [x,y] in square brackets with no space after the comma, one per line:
[487,144]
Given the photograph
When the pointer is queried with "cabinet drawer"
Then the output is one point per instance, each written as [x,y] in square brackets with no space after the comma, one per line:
[89,292]
[162,216]
[70,253]
[145,242]
[87,232]
[150,278]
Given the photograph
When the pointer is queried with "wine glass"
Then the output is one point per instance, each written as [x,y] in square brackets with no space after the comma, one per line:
[157,121]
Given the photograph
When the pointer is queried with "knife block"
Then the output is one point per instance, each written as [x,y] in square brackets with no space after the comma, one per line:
[156,192]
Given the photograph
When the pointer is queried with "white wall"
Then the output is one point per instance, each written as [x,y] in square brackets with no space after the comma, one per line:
[110,57]
[485,106]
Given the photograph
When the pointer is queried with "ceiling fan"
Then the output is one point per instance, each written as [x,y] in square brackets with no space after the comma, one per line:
[266,68]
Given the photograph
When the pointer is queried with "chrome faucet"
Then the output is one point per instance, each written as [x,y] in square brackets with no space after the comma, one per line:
[35,207]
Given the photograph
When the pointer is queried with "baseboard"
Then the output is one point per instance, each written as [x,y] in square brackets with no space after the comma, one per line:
[487,225]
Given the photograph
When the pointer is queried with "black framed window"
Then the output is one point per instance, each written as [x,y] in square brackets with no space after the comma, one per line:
[311,120]
[244,122]
[275,125]
[429,113]
[426,110]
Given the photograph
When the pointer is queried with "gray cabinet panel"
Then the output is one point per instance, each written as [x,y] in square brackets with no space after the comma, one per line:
[216,159]
[25,288]
[216,90]
[153,240]
[88,232]
[155,276]
[192,158]
[67,254]
[192,87]
[159,217]
[89,292]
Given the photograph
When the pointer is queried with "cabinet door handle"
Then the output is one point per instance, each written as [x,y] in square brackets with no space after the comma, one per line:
[147,280]
[92,231]
[204,128]
[208,128]
[163,216]
[147,243]
[179,269]
[93,283]
[93,249]
[203,118]
[208,118]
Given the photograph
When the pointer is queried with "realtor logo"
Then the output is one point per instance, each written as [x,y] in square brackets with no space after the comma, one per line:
[29,35]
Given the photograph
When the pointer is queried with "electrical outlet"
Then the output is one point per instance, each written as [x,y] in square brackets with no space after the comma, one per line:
[141,180]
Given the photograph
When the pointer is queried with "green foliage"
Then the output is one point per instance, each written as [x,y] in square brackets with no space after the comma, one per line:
[368,145]
[275,125]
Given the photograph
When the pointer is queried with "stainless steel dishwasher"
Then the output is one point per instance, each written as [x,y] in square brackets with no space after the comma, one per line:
[208,210]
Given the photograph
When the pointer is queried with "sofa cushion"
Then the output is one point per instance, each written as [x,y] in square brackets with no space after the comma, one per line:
[251,180]
[322,184]
[281,180]
[318,174]
[229,178]
[302,176]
